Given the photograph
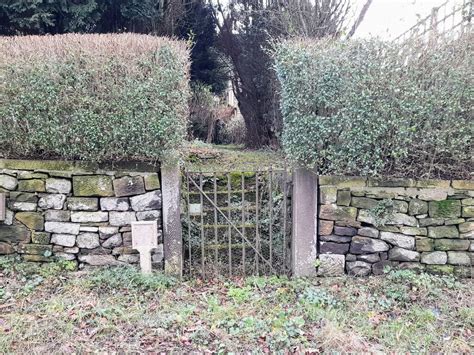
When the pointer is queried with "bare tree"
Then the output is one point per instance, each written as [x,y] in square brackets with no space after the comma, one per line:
[247,28]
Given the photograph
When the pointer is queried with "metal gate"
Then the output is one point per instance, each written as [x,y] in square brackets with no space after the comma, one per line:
[237,223]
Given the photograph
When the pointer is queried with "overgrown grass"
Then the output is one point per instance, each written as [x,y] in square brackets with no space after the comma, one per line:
[118,309]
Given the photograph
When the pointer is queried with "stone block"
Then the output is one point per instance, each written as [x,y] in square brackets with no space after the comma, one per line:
[331,265]
[93,185]
[463,184]
[148,215]
[8,182]
[433,194]
[424,244]
[443,232]
[152,182]
[124,250]
[364,245]
[444,184]
[379,268]
[36,249]
[422,231]
[451,222]
[368,232]
[399,240]
[58,186]
[343,198]
[425,222]
[146,202]
[120,219]
[468,235]
[113,241]
[369,258]
[347,231]
[40,237]
[66,240]
[337,213]
[89,217]
[62,228]
[335,238]
[451,244]
[57,216]
[89,229]
[82,203]
[114,204]
[37,258]
[467,202]
[358,268]
[342,181]
[401,219]
[14,234]
[65,256]
[468,211]
[400,254]
[333,248]
[88,240]
[459,258]
[52,201]
[417,207]
[71,250]
[99,260]
[33,185]
[364,202]
[327,195]
[393,182]
[129,186]
[445,209]
[107,231]
[325,227]
[32,220]
[6,248]
[434,258]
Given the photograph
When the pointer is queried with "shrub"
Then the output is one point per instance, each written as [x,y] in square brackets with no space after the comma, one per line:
[93,97]
[378,108]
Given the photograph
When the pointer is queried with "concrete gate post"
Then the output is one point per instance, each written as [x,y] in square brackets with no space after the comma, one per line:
[305,222]
[172,231]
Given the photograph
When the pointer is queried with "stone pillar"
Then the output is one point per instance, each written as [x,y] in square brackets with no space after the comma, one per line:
[172,231]
[305,209]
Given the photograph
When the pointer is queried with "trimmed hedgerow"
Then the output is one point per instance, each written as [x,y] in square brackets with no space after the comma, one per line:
[369,107]
[93,97]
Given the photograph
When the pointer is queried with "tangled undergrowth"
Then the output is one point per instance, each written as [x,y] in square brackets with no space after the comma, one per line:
[50,309]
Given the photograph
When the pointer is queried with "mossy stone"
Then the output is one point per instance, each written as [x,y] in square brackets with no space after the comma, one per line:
[445,209]
[37,258]
[33,220]
[468,211]
[440,269]
[443,232]
[424,244]
[152,182]
[33,185]
[451,244]
[36,249]
[343,197]
[417,207]
[40,238]
[92,185]
[14,234]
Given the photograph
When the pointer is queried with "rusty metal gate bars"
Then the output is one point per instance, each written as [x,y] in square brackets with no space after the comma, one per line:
[237,223]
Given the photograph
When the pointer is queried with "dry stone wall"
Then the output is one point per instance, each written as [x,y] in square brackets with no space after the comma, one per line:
[367,225]
[77,211]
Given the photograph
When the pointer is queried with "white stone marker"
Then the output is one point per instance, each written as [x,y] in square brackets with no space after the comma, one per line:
[144,239]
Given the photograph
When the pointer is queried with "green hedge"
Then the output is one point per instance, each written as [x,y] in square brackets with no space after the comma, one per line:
[93,97]
[370,107]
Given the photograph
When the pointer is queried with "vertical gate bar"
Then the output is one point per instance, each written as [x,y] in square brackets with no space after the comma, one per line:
[257,226]
[243,222]
[216,242]
[189,222]
[202,225]
[285,207]
[229,214]
[270,202]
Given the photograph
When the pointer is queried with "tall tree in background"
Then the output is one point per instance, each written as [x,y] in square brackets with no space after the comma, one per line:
[247,28]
